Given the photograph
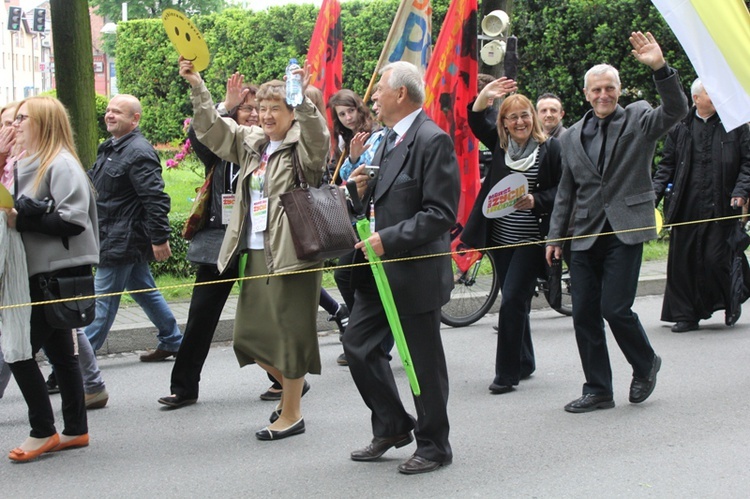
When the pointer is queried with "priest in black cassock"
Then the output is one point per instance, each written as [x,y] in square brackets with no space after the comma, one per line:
[709,169]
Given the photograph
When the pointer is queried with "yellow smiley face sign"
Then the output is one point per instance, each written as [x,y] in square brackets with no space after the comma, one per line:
[6,200]
[186,38]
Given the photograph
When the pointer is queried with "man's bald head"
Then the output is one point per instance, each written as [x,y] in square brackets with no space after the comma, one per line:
[123,115]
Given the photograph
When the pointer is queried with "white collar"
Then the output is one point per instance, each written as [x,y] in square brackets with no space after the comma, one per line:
[406,122]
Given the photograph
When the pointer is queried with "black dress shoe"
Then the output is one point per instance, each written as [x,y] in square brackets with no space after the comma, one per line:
[685,326]
[177,401]
[641,388]
[157,355]
[590,402]
[499,389]
[271,395]
[379,446]
[276,414]
[418,464]
[268,434]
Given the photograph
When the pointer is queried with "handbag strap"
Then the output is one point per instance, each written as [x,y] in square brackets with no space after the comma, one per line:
[299,175]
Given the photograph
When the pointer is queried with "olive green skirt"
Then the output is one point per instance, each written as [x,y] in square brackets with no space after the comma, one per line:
[276,320]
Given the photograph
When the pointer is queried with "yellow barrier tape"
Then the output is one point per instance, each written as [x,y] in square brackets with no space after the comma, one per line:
[352,265]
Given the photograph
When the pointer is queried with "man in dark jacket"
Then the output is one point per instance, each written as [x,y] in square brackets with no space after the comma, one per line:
[133,226]
[710,172]
[549,109]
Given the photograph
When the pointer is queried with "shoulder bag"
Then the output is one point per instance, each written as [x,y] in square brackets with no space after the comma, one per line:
[70,314]
[318,218]
[198,215]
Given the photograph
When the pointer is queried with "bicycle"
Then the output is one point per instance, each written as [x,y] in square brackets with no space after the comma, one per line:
[477,289]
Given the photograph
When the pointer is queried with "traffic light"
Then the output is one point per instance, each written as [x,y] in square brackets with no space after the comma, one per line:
[14,18]
[40,19]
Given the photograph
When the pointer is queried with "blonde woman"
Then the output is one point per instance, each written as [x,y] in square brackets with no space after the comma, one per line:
[56,216]
[519,146]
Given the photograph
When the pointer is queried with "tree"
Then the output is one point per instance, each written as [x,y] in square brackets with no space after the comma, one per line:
[559,41]
[146,9]
[74,72]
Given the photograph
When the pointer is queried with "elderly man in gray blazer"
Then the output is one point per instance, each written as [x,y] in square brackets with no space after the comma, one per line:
[606,175]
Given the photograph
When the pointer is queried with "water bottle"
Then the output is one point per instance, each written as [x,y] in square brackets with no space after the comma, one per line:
[294,96]
[667,198]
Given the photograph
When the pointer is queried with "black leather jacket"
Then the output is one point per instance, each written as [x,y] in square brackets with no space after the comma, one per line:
[132,205]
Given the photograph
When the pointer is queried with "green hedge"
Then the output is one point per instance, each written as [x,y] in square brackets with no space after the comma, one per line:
[558,42]
[101,108]
[258,44]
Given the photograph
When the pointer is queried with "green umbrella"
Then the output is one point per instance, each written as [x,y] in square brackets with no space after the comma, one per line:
[389,304]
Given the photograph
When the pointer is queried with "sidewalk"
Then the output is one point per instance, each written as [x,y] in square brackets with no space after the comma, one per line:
[132,331]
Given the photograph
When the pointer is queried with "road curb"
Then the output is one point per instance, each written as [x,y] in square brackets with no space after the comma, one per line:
[141,336]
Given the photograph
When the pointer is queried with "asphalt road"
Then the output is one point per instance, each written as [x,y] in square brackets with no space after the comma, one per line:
[690,439]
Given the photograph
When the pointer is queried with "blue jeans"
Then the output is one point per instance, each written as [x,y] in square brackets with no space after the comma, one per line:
[131,277]
[92,376]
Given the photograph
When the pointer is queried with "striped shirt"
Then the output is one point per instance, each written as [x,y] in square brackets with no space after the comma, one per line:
[520,225]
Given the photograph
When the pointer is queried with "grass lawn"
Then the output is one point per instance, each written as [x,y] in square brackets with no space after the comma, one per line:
[181,184]
[655,250]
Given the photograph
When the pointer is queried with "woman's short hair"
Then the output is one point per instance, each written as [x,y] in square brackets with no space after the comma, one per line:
[273,90]
[513,101]
[348,98]
[50,122]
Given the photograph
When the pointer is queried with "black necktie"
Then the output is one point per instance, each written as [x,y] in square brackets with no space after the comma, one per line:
[596,148]
[390,141]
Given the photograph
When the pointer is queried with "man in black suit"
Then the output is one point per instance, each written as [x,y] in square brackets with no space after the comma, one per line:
[415,197]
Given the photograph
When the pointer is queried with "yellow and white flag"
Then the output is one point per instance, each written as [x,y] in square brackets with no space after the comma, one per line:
[716,37]
[410,37]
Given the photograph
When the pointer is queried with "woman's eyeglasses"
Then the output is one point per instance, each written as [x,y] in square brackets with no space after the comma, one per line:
[20,118]
[522,117]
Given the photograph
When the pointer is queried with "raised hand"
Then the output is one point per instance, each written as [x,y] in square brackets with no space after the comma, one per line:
[7,140]
[646,50]
[188,72]
[357,145]
[235,93]
[494,90]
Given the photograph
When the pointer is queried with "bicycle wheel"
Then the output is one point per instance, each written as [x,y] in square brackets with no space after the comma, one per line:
[474,293]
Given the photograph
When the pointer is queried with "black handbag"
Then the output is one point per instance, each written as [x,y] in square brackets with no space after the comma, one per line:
[318,218]
[205,246]
[69,314]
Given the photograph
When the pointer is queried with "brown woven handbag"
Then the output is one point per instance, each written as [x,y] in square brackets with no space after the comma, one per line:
[318,218]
